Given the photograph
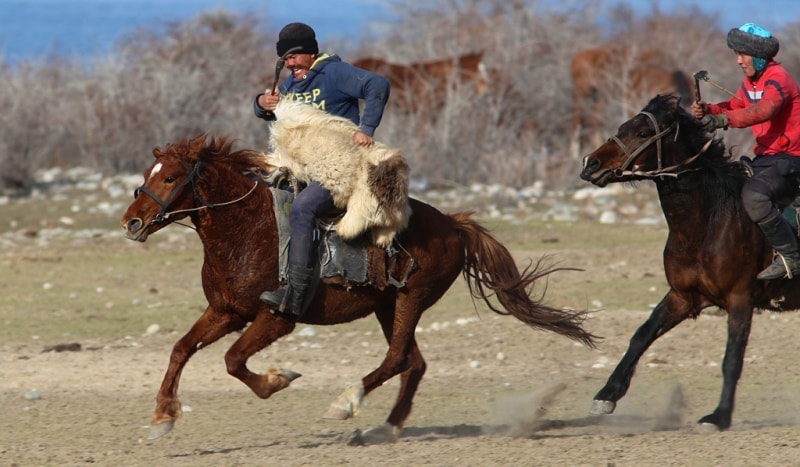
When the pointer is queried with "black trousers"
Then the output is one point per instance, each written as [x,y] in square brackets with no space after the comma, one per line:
[775,178]
[309,204]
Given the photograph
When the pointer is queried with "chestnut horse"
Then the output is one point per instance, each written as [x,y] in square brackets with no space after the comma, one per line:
[606,78]
[713,252]
[423,85]
[205,180]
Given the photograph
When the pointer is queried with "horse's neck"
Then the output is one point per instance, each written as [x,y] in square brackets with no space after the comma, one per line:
[246,223]
[693,204]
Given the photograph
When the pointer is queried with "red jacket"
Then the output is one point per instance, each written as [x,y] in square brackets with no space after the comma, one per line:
[770,106]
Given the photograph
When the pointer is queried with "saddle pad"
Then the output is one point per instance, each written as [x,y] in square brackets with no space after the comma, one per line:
[337,257]
[282,203]
[341,258]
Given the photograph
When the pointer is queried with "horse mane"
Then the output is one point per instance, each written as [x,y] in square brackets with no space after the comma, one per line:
[214,150]
[724,172]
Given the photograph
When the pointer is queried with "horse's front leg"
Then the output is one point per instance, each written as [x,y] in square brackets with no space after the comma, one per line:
[739,322]
[666,315]
[263,331]
[209,328]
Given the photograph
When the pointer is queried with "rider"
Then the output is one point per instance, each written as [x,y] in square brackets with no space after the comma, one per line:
[327,83]
[768,101]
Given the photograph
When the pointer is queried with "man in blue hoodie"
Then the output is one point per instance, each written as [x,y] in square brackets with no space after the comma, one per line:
[329,84]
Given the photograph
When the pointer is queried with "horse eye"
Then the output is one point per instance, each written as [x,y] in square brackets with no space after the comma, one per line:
[643,134]
[170,180]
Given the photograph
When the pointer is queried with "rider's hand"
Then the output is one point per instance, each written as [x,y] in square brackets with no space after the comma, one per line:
[699,109]
[713,121]
[268,101]
[363,139]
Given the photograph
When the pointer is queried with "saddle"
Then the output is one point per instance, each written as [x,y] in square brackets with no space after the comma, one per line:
[356,262]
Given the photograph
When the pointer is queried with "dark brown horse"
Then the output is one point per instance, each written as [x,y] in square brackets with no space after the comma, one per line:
[205,180]
[713,251]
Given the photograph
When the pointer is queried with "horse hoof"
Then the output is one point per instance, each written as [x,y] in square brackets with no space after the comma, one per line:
[159,430]
[602,407]
[707,428]
[346,405]
[383,434]
[289,375]
[336,413]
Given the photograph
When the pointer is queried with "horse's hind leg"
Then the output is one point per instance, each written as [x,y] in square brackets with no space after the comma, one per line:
[209,328]
[263,331]
[666,315]
[739,321]
[404,358]
[409,382]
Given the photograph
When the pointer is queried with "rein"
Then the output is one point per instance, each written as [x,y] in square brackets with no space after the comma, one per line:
[163,215]
[661,171]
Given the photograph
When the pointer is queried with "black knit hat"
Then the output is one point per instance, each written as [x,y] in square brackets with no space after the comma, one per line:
[753,40]
[297,35]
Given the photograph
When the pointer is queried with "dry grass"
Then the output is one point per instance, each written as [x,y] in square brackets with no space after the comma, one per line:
[76,285]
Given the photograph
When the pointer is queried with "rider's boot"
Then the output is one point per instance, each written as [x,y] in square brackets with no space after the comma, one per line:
[780,235]
[291,299]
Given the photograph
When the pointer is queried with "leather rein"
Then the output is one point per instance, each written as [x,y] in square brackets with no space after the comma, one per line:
[164,214]
[660,171]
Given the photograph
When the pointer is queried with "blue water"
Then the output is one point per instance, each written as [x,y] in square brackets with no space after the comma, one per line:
[31,29]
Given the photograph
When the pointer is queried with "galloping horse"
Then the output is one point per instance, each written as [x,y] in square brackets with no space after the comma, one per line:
[610,77]
[205,180]
[713,252]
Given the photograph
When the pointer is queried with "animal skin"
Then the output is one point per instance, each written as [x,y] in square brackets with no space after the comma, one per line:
[370,183]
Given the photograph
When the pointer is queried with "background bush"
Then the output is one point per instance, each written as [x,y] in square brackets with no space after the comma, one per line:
[172,81]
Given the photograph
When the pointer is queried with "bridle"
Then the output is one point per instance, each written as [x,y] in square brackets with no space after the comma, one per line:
[163,214]
[660,171]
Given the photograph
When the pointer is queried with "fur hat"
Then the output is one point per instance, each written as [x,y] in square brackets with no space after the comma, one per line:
[753,40]
[297,35]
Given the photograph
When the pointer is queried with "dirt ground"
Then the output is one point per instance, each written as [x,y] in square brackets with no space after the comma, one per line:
[495,392]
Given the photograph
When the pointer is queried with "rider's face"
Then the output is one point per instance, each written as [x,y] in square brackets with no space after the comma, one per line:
[299,64]
[745,62]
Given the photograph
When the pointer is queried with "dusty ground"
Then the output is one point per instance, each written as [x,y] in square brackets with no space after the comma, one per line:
[496,392]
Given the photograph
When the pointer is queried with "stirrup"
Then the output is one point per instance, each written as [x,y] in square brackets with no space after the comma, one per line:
[277,298]
[778,269]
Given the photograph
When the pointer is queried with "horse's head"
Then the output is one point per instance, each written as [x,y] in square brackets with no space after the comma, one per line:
[167,191]
[660,141]
[174,186]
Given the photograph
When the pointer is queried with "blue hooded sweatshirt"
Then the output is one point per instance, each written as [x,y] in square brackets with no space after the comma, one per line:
[336,87]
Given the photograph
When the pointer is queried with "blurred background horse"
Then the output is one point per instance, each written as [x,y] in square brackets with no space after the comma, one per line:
[609,84]
[422,87]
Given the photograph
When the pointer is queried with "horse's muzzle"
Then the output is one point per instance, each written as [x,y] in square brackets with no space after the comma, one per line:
[590,167]
[135,229]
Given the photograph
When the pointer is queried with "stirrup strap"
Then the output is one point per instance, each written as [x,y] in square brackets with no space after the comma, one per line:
[789,274]
[775,256]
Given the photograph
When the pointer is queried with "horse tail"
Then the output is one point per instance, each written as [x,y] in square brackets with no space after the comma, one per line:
[489,265]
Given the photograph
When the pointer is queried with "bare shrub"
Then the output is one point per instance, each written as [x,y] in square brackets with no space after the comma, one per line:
[37,102]
[171,81]
[158,86]
[501,136]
